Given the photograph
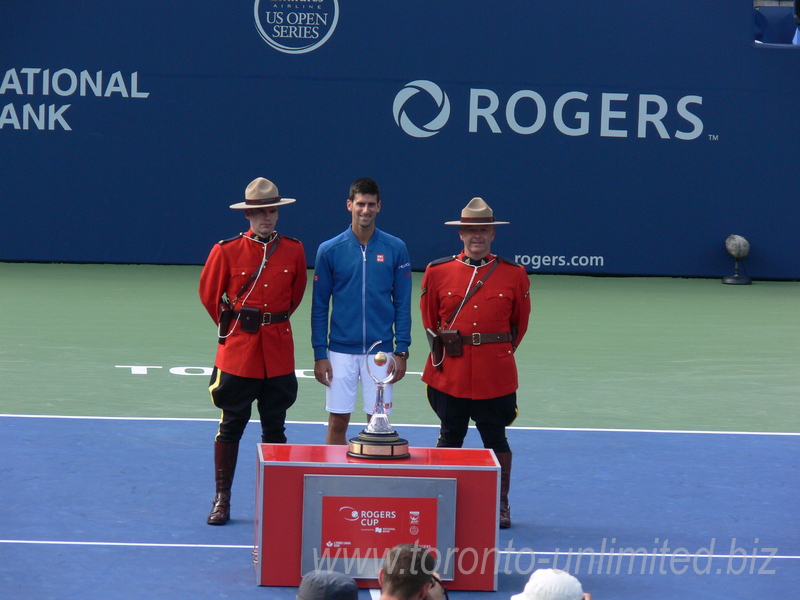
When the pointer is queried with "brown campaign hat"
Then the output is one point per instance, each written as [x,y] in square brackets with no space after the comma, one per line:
[260,193]
[477,212]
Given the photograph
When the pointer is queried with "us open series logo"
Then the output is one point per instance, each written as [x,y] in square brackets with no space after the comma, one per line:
[296,26]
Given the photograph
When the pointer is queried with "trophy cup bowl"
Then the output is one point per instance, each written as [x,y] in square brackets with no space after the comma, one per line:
[379,440]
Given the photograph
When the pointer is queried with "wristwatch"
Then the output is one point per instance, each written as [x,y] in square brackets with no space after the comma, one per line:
[402,355]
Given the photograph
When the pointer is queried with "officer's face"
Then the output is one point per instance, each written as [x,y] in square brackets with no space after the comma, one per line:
[477,239]
[262,220]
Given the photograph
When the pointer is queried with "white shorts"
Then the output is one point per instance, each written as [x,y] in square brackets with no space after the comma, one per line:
[340,395]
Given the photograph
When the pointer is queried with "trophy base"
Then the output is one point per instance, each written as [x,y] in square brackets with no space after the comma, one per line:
[737,280]
[385,446]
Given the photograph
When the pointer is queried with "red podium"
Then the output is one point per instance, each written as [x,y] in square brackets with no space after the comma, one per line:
[318,508]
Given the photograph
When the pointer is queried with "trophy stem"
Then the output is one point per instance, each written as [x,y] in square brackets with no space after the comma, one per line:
[379,423]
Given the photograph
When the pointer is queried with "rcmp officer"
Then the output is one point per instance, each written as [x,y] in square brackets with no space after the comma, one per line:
[475,307]
[250,286]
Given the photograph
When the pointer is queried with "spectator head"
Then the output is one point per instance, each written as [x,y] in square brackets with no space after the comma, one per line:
[551,584]
[407,571]
[327,585]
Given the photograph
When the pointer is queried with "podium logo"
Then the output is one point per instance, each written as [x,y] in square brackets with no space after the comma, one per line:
[296,26]
[350,513]
[440,99]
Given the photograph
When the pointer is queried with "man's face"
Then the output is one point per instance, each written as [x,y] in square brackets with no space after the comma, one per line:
[262,220]
[364,208]
[477,240]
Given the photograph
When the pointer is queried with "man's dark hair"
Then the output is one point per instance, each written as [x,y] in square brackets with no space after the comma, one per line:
[406,569]
[364,185]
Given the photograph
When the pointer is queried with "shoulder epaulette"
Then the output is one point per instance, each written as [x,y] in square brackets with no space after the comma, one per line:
[509,261]
[236,237]
[286,237]
[442,260]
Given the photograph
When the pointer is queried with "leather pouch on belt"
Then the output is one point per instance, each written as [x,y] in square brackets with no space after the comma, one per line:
[225,317]
[437,348]
[451,338]
[250,319]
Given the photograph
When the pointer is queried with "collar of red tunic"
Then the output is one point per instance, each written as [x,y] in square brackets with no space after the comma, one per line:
[472,262]
[257,238]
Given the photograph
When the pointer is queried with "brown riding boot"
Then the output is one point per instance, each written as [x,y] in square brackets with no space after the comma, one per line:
[225,455]
[504,458]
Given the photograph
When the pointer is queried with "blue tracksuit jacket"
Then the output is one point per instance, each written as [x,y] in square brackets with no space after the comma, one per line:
[370,289]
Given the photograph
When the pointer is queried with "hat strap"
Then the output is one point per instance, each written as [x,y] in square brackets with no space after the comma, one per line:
[272,200]
[477,219]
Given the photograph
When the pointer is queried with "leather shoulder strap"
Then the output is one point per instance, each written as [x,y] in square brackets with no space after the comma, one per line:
[471,292]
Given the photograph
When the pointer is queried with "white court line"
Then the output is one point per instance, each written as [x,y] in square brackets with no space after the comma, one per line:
[585,429]
[123,544]
[500,553]
[589,554]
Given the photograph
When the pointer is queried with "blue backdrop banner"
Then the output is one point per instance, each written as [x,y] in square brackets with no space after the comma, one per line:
[618,137]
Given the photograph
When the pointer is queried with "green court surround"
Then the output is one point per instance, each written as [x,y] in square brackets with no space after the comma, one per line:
[601,352]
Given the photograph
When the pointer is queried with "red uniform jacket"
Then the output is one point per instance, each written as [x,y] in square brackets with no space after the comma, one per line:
[279,288]
[503,302]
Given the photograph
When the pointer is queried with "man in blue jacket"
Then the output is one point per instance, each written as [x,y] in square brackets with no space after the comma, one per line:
[362,294]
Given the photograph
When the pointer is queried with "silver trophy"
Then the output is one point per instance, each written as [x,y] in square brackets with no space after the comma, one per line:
[379,439]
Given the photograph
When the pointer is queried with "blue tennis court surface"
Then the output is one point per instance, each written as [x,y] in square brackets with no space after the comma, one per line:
[115,508]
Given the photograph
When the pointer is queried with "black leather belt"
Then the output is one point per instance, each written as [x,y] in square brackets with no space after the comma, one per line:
[270,318]
[476,339]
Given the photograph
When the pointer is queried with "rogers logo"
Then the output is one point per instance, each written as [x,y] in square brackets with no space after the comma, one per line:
[574,114]
[438,96]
